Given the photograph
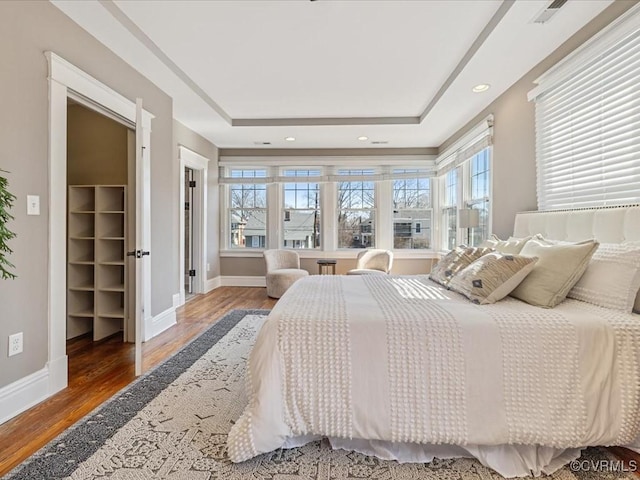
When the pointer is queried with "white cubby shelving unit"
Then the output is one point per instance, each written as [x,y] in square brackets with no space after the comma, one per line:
[96,271]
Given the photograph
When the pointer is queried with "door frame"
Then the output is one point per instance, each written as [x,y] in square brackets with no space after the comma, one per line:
[200,165]
[64,78]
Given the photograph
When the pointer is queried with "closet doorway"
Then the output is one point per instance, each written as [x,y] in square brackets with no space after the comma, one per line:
[101,177]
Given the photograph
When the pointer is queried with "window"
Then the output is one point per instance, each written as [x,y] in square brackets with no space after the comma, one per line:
[248,210]
[588,126]
[411,211]
[301,227]
[356,210]
[449,210]
[479,195]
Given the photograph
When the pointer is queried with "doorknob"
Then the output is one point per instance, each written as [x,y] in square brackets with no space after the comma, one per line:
[138,253]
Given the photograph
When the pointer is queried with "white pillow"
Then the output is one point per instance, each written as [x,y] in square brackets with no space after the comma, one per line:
[512,246]
[612,279]
[558,269]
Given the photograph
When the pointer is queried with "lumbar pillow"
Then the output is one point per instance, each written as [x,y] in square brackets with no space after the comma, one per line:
[454,261]
[558,269]
[512,245]
[492,277]
[612,278]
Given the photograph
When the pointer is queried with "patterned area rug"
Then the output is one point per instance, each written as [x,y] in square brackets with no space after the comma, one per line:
[173,422]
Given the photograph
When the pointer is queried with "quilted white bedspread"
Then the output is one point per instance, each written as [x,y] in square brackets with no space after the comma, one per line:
[401,359]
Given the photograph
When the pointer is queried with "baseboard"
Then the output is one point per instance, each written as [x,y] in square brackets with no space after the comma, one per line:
[160,323]
[243,281]
[23,394]
[58,374]
[212,284]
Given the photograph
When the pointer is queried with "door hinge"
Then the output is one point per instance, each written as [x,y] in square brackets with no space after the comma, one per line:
[192,184]
[192,273]
[186,205]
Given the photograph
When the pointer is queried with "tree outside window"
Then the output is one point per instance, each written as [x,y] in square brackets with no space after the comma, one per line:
[411,211]
[301,228]
[248,210]
[356,211]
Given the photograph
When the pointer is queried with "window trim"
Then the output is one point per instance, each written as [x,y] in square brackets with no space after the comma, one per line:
[383,213]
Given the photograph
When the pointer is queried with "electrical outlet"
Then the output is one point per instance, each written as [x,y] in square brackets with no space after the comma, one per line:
[208,267]
[15,344]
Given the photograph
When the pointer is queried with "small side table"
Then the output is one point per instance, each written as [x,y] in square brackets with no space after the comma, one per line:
[324,264]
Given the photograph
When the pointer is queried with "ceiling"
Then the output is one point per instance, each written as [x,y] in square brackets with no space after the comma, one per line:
[326,72]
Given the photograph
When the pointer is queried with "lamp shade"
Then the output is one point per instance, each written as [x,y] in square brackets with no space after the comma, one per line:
[468,218]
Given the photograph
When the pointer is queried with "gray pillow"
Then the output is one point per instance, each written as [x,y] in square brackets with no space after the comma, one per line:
[558,269]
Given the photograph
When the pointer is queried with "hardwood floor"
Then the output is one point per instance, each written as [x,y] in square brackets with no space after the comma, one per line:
[98,370]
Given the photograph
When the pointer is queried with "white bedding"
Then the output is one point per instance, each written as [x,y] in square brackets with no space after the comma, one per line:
[380,359]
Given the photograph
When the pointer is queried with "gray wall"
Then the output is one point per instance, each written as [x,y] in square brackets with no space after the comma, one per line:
[27,30]
[96,148]
[514,160]
[191,140]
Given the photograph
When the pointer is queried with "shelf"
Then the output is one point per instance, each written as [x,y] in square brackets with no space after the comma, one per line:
[96,272]
[113,288]
[83,288]
[114,314]
[83,314]
[82,198]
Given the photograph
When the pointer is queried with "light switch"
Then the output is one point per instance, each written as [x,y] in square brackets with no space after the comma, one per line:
[33,204]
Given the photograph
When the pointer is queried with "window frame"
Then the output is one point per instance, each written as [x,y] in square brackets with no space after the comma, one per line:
[284,210]
[374,209]
[226,193]
[418,222]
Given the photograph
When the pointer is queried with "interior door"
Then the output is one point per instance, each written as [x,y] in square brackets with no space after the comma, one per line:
[141,253]
[188,231]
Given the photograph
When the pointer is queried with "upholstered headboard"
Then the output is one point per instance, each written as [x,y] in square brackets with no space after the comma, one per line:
[607,225]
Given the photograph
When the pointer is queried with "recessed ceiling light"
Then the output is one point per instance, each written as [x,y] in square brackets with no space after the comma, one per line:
[363,138]
[290,139]
[483,87]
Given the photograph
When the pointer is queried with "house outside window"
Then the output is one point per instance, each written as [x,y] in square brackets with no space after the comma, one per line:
[248,210]
[356,210]
[301,226]
[411,211]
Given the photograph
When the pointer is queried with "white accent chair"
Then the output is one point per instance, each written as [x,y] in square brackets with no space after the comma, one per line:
[283,269]
[373,262]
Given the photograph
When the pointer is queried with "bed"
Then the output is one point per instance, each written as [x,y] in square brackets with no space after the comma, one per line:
[402,368]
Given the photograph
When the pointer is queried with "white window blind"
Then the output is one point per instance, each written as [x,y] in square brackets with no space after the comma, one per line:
[588,132]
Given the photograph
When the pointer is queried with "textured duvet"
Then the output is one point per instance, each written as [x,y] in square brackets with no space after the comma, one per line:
[403,360]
